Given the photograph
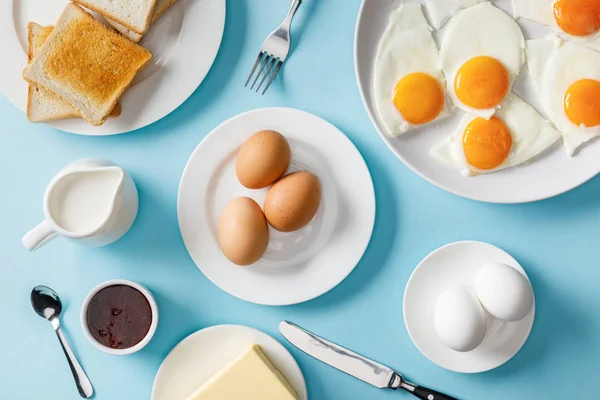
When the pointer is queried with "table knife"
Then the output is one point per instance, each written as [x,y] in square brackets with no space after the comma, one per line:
[353,364]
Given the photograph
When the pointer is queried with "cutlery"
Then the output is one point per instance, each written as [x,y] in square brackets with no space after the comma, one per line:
[47,304]
[353,364]
[274,51]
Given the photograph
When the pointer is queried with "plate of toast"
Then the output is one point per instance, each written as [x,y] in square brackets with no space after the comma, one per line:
[104,67]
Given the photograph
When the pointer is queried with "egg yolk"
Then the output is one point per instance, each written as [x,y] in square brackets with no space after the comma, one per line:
[419,98]
[582,103]
[577,17]
[486,143]
[482,82]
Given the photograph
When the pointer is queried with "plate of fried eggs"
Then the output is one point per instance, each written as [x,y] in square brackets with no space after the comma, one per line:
[496,101]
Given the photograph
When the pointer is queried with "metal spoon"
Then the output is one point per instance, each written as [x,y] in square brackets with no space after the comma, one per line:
[46,304]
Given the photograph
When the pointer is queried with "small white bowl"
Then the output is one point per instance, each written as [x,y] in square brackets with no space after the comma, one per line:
[144,341]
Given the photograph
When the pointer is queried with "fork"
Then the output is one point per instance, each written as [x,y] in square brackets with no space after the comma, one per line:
[274,51]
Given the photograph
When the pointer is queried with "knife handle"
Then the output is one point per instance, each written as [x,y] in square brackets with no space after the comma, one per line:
[427,394]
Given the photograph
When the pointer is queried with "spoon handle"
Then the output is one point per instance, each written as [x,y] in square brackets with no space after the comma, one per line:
[84,386]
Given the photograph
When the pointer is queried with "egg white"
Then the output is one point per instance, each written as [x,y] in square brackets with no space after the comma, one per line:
[481,30]
[459,319]
[505,293]
[554,65]
[531,135]
[541,11]
[406,47]
[440,11]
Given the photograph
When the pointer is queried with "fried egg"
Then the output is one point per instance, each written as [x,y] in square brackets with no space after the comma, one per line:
[576,20]
[407,83]
[516,134]
[440,11]
[481,56]
[566,78]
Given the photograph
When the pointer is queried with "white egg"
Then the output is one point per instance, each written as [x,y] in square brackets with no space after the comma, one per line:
[407,50]
[503,291]
[459,319]
[440,11]
[542,12]
[556,66]
[481,37]
[530,135]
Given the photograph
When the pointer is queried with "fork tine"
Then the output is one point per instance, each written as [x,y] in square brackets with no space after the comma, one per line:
[279,64]
[271,64]
[260,56]
[262,67]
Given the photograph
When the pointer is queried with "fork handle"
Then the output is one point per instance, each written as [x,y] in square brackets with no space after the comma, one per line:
[287,22]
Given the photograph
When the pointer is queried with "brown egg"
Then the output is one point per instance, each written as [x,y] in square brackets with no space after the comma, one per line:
[293,201]
[263,159]
[243,231]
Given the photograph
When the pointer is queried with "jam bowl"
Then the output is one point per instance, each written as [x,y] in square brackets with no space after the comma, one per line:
[119,317]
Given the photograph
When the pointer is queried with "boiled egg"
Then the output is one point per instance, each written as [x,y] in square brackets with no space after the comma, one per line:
[263,158]
[504,292]
[576,20]
[243,233]
[292,202]
[481,55]
[516,134]
[459,319]
[566,78]
[440,11]
[407,82]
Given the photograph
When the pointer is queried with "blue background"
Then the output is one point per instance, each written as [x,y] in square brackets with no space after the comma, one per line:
[556,240]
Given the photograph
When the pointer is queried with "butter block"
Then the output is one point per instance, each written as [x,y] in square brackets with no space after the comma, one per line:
[250,377]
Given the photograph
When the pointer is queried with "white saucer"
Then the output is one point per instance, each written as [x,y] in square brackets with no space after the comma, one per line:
[297,266]
[202,354]
[184,43]
[456,265]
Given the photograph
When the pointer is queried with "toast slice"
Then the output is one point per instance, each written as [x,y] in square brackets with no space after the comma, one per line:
[87,64]
[159,10]
[132,14]
[43,105]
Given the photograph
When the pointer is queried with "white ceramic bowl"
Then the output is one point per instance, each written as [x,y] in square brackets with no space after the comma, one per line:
[144,341]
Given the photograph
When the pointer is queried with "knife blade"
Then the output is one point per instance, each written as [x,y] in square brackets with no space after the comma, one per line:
[353,364]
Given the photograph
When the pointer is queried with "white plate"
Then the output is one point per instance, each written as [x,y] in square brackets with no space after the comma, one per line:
[297,266]
[551,174]
[184,43]
[202,354]
[456,265]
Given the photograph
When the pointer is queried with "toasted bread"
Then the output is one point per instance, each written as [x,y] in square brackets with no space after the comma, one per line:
[43,105]
[87,64]
[159,10]
[132,14]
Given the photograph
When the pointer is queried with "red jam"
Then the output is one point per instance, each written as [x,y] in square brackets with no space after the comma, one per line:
[119,316]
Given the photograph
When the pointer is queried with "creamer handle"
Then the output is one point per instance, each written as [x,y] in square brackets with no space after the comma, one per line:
[38,236]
